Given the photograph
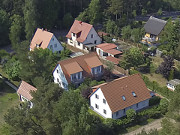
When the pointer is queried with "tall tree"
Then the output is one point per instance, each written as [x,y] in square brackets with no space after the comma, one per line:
[30,18]
[4,28]
[16,30]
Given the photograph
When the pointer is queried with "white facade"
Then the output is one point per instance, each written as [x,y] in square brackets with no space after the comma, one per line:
[96,99]
[23,99]
[99,102]
[55,45]
[170,86]
[59,77]
[92,38]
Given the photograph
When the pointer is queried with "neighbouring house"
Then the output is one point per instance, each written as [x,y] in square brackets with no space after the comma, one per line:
[83,36]
[108,49]
[172,84]
[113,60]
[75,70]
[113,99]
[45,39]
[153,28]
[24,92]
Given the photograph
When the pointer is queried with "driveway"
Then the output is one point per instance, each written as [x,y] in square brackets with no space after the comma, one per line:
[153,125]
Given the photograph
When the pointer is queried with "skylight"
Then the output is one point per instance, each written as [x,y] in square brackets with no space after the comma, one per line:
[134,94]
[123,97]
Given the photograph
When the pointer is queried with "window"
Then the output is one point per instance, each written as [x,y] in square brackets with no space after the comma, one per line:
[57,71]
[79,75]
[64,85]
[93,71]
[91,35]
[124,98]
[98,69]
[137,105]
[78,43]
[117,113]
[55,45]
[37,45]
[57,80]
[124,111]
[95,41]
[134,94]
[104,101]
[96,96]
[73,76]
[74,34]
[104,111]
[96,106]
[52,39]
[51,47]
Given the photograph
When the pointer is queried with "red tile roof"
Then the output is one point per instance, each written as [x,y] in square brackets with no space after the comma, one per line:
[106,46]
[42,38]
[113,51]
[25,90]
[101,34]
[113,59]
[85,62]
[82,29]
[113,92]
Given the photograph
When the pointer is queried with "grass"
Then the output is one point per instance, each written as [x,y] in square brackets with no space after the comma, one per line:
[8,99]
[94,113]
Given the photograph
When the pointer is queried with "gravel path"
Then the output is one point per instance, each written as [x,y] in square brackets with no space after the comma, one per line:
[154,125]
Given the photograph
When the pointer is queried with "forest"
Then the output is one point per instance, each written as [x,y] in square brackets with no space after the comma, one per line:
[60,112]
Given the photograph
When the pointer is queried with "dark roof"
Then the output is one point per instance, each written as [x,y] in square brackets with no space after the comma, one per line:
[122,88]
[154,25]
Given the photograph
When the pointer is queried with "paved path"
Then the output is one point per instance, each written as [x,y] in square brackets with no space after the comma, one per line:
[11,85]
[153,125]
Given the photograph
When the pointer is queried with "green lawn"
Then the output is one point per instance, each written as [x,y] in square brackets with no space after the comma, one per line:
[8,99]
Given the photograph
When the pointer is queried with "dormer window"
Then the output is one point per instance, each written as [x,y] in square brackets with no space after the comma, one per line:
[134,94]
[74,34]
[76,76]
[37,45]
[124,98]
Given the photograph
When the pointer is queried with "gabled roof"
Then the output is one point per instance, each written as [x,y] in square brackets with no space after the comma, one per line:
[25,89]
[106,46]
[82,29]
[41,38]
[119,93]
[84,62]
[113,59]
[154,25]
[113,51]
[174,82]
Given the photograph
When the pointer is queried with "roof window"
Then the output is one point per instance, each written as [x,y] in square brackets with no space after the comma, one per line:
[134,94]
[123,97]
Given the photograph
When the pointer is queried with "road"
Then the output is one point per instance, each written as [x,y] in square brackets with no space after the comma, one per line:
[153,125]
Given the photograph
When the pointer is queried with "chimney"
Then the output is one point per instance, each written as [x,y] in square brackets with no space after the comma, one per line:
[80,22]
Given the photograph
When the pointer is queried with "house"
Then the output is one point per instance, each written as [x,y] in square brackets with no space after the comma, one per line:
[114,60]
[45,39]
[172,84]
[153,29]
[75,70]
[113,99]
[108,49]
[24,92]
[83,36]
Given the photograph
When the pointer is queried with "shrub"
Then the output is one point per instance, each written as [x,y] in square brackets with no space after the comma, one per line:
[86,92]
[154,101]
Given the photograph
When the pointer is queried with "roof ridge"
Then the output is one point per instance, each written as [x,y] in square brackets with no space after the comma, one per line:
[160,20]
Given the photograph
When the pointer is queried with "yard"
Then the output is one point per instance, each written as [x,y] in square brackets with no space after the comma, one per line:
[8,99]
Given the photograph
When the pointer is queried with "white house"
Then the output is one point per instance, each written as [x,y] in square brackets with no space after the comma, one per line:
[108,49]
[113,99]
[44,39]
[173,83]
[24,92]
[83,36]
[75,70]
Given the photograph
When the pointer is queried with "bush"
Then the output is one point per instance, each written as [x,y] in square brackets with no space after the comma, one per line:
[154,101]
